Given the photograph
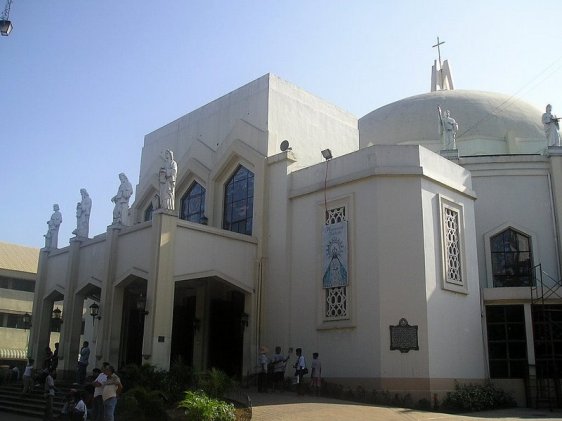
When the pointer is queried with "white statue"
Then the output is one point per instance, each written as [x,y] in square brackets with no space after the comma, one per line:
[447,129]
[167,178]
[52,236]
[121,200]
[551,128]
[83,209]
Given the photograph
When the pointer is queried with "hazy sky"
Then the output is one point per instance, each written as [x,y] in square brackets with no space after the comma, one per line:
[83,81]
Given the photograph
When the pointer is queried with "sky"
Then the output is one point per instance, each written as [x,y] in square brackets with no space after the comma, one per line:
[83,81]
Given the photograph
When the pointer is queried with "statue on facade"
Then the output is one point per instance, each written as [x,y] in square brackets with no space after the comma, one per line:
[83,209]
[167,178]
[52,236]
[121,200]
[551,127]
[448,128]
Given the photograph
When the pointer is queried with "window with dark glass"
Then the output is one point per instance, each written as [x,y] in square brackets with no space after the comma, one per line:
[193,203]
[507,341]
[511,259]
[239,202]
[148,213]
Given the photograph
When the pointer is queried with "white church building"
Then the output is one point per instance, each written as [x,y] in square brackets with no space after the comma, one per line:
[295,224]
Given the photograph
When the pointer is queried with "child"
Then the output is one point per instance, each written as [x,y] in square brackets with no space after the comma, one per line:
[316,373]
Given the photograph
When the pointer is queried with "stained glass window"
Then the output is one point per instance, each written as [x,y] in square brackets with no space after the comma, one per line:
[511,259]
[239,202]
[193,203]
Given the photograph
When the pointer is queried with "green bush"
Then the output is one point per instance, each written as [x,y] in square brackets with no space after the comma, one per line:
[141,404]
[215,383]
[200,407]
[469,397]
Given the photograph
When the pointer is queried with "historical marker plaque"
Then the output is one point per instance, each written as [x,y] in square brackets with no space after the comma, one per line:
[404,337]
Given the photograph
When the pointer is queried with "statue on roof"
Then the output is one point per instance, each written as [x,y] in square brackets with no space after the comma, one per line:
[52,236]
[448,128]
[83,209]
[167,178]
[121,200]
[551,127]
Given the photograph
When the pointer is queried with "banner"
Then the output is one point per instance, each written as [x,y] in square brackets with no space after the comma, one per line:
[334,261]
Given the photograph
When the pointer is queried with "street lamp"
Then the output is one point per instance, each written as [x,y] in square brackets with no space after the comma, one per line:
[57,314]
[94,312]
[141,305]
[5,23]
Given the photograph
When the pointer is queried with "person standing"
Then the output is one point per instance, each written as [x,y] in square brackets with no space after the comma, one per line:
[49,389]
[263,362]
[279,362]
[97,406]
[300,371]
[316,374]
[83,361]
[111,387]
[28,377]
[55,357]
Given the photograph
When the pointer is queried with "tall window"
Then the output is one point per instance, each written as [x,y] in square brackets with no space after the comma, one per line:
[148,213]
[239,202]
[452,246]
[336,303]
[193,203]
[511,259]
[507,343]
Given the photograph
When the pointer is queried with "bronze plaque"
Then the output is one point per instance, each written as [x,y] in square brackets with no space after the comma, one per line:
[404,337]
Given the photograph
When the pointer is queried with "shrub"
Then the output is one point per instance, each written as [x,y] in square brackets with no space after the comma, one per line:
[215,383]
[200,407]
[469,397]
[141,404]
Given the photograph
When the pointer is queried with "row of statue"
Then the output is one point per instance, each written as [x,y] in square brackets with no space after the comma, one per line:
[164,200]
[448,128]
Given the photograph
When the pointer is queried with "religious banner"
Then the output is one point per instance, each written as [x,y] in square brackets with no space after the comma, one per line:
[334,262]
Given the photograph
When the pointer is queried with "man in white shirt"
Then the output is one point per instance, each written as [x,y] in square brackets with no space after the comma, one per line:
[97,406]
[49,395]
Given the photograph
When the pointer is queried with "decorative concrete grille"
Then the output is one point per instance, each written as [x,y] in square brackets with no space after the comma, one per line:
[336,298]
[452,246]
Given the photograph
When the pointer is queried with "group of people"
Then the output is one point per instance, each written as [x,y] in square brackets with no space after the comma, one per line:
[271,370]
[97,394]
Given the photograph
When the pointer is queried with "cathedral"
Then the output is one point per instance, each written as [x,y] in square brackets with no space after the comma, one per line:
[412,248]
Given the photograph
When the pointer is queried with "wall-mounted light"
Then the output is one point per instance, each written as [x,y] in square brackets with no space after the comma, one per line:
[141,305]
[196,324]
[5,23]
[95,312]
[26,321]
[244,318]
[327,154]
[57,314]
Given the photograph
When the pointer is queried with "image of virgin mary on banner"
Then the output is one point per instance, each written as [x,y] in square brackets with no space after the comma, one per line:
[334,262]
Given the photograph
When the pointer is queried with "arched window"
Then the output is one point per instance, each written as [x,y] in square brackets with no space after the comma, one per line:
[239,202]
[511,259]
[148,213]
[193,203]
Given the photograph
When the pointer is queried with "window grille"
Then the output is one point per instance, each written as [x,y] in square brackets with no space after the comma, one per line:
[452,246]
[336,303]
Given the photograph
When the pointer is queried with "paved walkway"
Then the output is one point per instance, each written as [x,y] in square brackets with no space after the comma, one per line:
[287,406]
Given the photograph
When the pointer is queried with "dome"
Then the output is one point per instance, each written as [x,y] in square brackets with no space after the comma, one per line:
[489,123]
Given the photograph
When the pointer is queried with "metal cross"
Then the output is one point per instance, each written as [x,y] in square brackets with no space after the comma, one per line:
[438,49]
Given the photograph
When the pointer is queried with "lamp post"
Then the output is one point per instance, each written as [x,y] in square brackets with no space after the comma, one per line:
[5,23]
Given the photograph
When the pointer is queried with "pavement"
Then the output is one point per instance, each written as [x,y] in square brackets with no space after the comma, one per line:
[288,406]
